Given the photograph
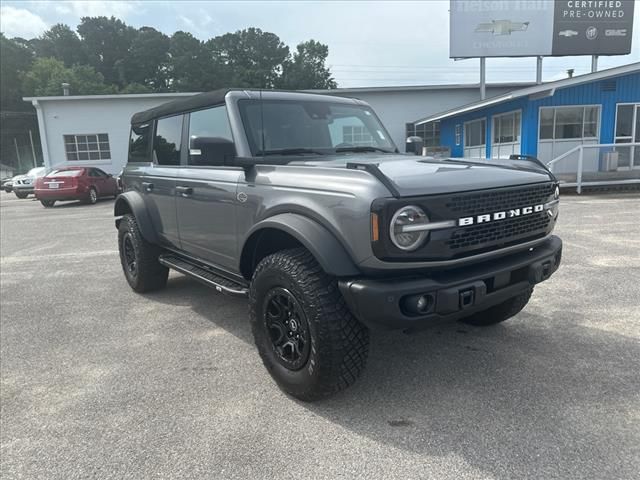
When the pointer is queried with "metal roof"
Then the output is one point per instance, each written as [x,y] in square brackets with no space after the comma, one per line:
[336,91]
[537,91]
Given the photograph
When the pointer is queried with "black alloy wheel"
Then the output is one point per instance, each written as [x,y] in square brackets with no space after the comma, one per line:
[129,255]
[288,328]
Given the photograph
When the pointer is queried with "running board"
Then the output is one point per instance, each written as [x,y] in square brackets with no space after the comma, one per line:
[203,275]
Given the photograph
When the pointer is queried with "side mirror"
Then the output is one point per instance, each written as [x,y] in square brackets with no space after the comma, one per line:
[414,145]
[211,151]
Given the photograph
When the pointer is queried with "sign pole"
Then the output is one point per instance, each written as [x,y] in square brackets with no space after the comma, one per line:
[539,69]
[594,63]
[33,150]
[483,92]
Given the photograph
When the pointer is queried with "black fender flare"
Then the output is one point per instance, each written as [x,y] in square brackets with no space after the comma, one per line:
[323,245]
[132,202]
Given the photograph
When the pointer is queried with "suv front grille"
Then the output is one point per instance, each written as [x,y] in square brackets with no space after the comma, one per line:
[500,231]
[497,200]
[464,241]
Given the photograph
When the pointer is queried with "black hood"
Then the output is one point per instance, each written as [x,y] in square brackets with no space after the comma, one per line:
[413,175]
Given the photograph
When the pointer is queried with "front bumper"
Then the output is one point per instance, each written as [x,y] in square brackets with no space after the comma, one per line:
[23,188]
[454,293]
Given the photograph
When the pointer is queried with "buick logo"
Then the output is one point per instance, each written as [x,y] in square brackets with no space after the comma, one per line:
[492,217]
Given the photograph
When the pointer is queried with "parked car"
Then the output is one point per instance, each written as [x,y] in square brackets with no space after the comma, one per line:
[270,196]
[87,184]
[7,184]
[23,185]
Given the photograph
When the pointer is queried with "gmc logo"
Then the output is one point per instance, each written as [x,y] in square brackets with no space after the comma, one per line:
[491,217]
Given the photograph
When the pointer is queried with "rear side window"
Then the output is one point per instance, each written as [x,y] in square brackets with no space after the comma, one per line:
[166,143]
[139,143]
[66,173]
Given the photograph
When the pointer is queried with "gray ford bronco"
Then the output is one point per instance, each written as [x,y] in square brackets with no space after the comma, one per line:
[303,204]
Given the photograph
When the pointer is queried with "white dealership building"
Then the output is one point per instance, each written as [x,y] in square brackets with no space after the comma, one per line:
[94,129]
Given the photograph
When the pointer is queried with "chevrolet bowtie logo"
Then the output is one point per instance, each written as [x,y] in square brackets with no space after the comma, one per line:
[491,217]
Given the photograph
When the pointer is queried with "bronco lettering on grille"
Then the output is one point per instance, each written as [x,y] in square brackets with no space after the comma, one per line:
[491,217]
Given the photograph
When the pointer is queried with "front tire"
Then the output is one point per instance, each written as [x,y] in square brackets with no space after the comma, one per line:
[139,258]
[47,203]
[21,195]
[501,312]
[308,340]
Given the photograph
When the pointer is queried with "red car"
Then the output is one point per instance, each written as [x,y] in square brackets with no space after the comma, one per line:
[75,183]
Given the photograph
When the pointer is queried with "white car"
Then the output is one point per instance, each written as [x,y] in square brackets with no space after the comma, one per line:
[23,185]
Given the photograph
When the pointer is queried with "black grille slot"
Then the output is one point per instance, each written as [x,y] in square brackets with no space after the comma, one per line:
[496,201]
[500,231]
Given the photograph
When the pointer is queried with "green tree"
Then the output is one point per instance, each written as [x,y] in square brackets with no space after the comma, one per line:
[192,68]
[107,42]
[62,43]
[135,88]
[147,60]
[16,59]
[46,76]
[250,58]
[307,69]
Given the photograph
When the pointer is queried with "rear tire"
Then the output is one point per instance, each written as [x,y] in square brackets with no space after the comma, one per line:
[47,203]
[21,195]
[501,312]
[139,258]
[308,340]
[92,196]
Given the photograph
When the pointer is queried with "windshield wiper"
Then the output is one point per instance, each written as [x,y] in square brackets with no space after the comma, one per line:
[288,151]
[362,148]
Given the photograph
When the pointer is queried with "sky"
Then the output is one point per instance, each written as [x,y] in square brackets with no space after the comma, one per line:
[376,43]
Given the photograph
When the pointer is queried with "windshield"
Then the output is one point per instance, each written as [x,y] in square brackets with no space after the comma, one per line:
[298,127]
[36,172]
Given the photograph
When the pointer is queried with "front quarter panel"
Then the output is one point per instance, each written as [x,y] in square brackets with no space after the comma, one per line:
[336,198]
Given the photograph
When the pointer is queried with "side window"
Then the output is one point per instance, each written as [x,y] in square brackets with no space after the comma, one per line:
[210,140]
[166,143]
[139,142]
[93,173]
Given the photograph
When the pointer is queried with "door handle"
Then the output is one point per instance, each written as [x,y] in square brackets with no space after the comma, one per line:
[184,191]
[148,187]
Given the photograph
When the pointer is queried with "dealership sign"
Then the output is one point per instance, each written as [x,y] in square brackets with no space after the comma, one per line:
[523,28]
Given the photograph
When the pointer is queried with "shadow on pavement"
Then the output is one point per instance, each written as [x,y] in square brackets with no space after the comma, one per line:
[511,400]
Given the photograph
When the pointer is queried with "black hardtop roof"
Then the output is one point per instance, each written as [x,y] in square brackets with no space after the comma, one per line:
[201,100]
[216,97]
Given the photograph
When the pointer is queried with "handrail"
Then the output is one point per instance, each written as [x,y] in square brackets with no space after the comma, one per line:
[592,145]
[580,149]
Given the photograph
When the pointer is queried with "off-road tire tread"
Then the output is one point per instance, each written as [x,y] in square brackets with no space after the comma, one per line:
[151,274]
[342,342]
[501,312]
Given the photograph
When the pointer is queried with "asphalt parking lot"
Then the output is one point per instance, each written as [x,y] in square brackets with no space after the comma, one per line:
[100,382]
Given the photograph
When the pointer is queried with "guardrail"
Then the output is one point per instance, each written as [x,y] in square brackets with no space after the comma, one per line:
[633,175]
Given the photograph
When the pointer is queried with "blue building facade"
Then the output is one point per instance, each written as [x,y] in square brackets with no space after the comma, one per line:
[550,119]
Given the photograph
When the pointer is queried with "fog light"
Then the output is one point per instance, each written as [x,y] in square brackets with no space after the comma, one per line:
[417,304]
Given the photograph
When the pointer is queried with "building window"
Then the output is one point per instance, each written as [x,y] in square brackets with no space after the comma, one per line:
[561,123]
[356,135]
[506,128]
[475,133]
[87,147]
[458,135]
[429,132]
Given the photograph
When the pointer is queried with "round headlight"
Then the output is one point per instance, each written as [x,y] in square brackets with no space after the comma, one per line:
[405,228]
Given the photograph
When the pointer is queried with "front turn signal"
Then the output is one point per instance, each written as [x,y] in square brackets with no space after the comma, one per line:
[375,228]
